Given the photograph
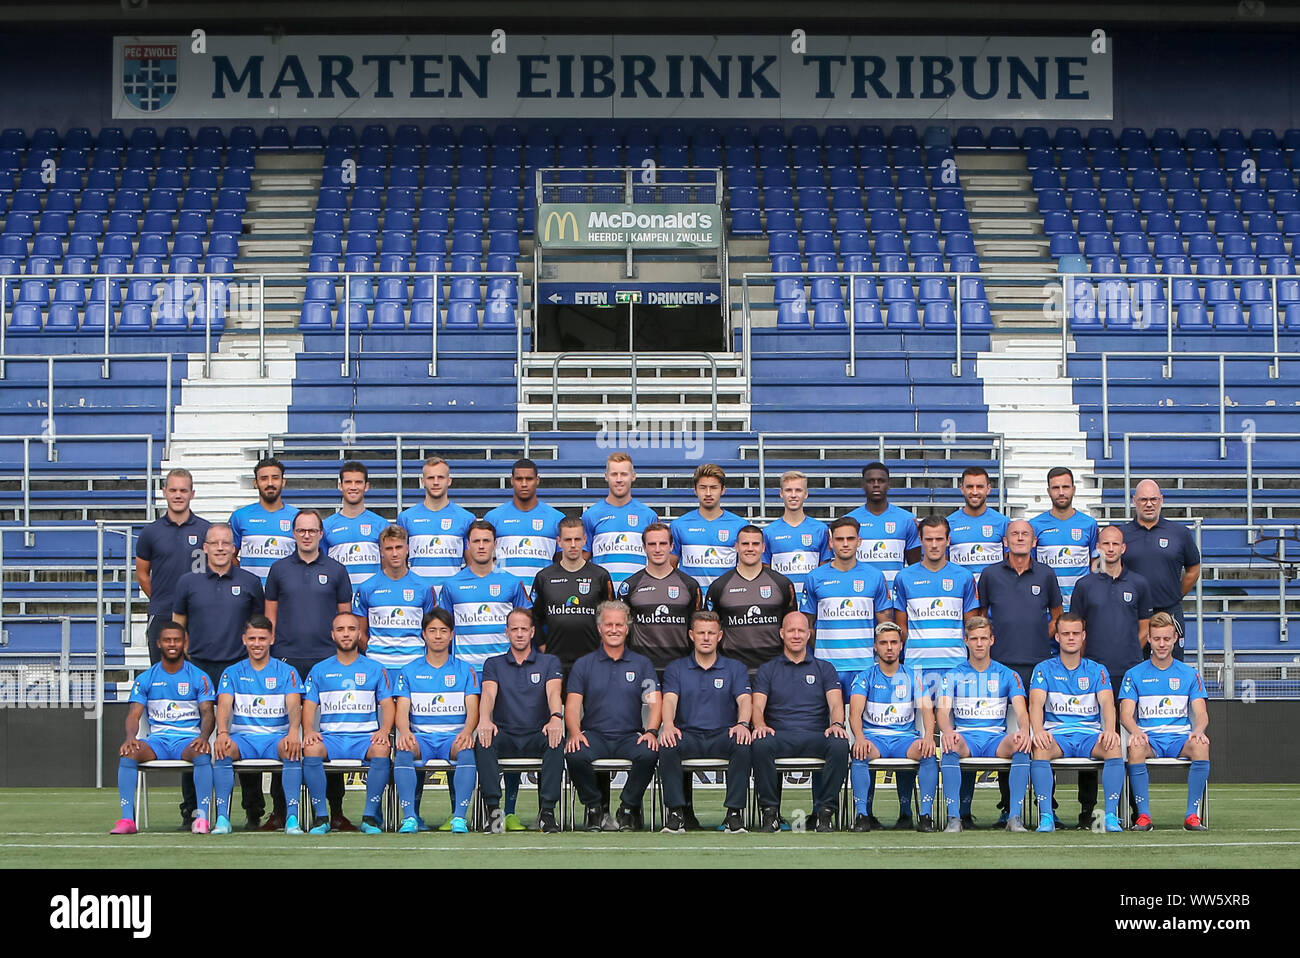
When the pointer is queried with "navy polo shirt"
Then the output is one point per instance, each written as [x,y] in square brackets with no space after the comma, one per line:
[172,551]
[521,706]
[612,690]
[706,698]
[1020,607]
[216,608]
[796,692]
[309,594]
[1160,555]
[1111,609]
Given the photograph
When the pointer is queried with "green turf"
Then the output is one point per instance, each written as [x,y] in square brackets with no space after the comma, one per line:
[46,828]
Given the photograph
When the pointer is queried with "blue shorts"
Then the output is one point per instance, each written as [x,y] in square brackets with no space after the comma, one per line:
[846,684]
[346,745]
[1167,744]
[435,745]
[252,745]
[168,747]
[983,744]
[1076,744]
[892,746]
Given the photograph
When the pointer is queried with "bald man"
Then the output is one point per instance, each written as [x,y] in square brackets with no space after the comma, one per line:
[1162,552]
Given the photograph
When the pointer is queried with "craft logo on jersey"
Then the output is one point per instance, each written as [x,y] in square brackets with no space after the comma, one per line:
[1076,535]
[1035,589]
[584,587]
[234,590]
[890,527]
[674,591]
[194,540]
[365,528]
[1084,682]
[449,681]
[494,589]
[1164,543]
[765,591]
[630,676]
[719,683]
[1174,683]
[149,75]
[182,688]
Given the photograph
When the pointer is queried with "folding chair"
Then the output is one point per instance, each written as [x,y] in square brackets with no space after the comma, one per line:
[690,766]
[570,793]
[516,766]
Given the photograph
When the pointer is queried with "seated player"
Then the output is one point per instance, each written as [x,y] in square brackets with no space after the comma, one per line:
[884,701]
[437,713]
[355,704]
[973,719]
[178,698]
[259,715]
[1072,712]
[1162,704]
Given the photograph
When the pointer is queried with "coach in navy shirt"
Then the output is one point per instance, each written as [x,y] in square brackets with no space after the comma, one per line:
[520,717]
[304,592]
[1023,600]
[1163,552]
[1115,603]
[798,712]
[169,547]
[603,716]
[707,709]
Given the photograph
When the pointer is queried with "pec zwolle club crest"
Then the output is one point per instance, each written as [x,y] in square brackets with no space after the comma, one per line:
[1174,683]
[149,75]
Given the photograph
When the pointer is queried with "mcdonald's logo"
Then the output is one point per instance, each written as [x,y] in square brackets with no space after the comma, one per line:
[561,221]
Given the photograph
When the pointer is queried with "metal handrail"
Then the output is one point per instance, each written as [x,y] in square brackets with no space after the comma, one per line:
[633,358]
[1277,357]
[766,439]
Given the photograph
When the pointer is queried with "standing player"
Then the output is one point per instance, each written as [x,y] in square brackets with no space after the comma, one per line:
[1067,538]
[392,603]
[885,702]
[662,600]
[436,526]
[1072,712]
[752,601]
[437,713]
[355,706]
[178,698]
[564,598]
[480,598]
[973,718]
[259,715]
[527,530]
[614,525]
[704,540]
[796,543]
[169,547]
[975,530]
[934,597]
[889,539]
[1162,704]
[1163,552]
[264,529]
[352,534]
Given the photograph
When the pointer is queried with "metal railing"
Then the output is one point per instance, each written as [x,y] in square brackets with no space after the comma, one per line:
[631,179]
[1221,358]
[632,358]
[826,441]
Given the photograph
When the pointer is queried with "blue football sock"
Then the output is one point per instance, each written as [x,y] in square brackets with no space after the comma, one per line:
[203,785]
[292,782]
[1112,783]
[905,782]
[1140,781]
[871,791]
[404,779]
[1019,782]
[967,792]
[511,791]
[223,780]
[860,776]
[376,779]
[1040,773]
[928,779]
[1197,776]
[952,781]
[465,776]
[313,773]
[420,780]
[128,777]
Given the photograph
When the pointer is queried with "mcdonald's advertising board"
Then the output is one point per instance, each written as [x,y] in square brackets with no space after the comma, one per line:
[619,225]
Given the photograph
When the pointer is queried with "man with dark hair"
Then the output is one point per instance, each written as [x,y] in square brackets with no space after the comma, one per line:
[975,531]
[264,529]
[662,600]
[752,601]
[887,534]
[527,530]
[168,548]
[1162,552]
[480,597]
[706,714]
[564,598]
[392,603]
[704,539]
[1066,538]
[352,534]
